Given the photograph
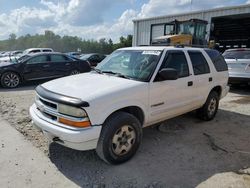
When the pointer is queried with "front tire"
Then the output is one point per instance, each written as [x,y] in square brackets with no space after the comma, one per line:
[120,138]
[10,80]
[74,72]
[208,111]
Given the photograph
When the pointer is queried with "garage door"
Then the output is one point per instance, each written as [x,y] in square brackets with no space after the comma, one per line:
[157,31]
[231,31]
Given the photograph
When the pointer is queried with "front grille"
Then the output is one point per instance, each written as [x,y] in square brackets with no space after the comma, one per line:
[49,110]
[49,116]
[49,104]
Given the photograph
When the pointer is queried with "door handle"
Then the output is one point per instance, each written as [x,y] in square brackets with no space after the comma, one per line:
[190,83]
[67,64]
[44,66]
[210,79]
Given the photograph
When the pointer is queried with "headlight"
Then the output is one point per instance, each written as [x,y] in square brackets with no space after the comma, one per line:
[71,111]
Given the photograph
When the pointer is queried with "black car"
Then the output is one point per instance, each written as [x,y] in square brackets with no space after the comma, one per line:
[40,66]
[93,59]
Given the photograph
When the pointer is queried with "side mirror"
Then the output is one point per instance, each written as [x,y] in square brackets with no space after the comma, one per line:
[168,74]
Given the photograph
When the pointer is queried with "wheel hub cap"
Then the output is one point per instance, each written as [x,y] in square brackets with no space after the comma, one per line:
[123,140]
[212,106]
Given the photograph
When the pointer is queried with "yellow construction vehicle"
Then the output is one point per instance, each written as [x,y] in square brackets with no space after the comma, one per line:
[190,33]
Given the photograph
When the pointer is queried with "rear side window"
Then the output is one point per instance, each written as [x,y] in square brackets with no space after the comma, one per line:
[34,51]
[178,61]
[58,58]
[199,63]
[217,59]
[47,50]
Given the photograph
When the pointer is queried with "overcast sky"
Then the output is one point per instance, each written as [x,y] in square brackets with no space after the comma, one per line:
[90,19]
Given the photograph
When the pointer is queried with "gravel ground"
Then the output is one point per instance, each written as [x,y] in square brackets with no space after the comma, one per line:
[181,152]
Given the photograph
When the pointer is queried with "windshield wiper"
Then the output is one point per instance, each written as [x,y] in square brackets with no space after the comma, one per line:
[109,72]
[97,70]
[116,74]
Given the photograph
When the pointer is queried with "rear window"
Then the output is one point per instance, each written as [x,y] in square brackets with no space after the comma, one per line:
[237,54]
[58,58]
[217,59]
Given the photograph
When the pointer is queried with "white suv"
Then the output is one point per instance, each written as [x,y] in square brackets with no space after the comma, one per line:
[132,88]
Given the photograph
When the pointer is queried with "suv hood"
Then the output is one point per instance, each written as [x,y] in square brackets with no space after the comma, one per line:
[89,86]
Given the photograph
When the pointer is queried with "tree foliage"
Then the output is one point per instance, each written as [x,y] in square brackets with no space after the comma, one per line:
[63,44]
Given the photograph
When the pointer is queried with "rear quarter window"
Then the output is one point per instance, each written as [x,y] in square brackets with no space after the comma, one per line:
[217,59]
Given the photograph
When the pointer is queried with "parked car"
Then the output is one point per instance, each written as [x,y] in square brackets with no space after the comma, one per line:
[16,53]
[37,50]
[133,88]
[39,66]
[93,58]
[74,54]
[10,55]
[238,61]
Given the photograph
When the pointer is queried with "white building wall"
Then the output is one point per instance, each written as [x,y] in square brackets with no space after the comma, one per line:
[142,27]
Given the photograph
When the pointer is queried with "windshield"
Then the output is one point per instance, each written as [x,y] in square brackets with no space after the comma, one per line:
[22,58]
[133,64]
[186,28]
[243,54]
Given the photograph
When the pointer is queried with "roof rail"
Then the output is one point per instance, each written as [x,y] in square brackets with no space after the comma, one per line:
[180,46]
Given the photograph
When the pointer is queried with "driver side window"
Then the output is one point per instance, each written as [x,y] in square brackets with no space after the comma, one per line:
[176,60]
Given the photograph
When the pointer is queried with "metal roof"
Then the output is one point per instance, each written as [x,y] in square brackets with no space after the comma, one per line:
[194,12]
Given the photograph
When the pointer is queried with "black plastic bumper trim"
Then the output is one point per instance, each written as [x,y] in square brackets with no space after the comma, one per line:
[59,98]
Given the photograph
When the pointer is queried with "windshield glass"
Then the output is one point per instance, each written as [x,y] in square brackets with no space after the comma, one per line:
[133,64]
[243,54]
[22,58]
[186,28]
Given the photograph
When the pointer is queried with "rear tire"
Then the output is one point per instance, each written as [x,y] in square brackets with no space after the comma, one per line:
[10,80]
[120,138]
[208,111]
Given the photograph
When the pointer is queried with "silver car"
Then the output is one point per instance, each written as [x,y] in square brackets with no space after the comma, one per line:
[238,61]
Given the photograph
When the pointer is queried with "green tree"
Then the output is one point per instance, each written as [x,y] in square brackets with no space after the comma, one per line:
[63,44]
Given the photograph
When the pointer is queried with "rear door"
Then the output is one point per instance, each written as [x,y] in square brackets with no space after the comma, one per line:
[62,65]
[202,77]
[36,67]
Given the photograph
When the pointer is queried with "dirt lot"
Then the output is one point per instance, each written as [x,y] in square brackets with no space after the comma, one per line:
[181,152]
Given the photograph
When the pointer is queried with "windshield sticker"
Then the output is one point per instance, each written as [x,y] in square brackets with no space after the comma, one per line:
[154,52]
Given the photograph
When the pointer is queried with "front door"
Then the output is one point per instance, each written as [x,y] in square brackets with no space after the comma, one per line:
[169,98]
[36,68]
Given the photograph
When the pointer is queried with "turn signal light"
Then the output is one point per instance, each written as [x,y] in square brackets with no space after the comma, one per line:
[82,124]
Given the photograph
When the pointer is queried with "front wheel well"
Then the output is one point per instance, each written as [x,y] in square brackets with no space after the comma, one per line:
[135,111]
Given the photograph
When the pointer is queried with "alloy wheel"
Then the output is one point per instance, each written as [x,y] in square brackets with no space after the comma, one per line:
[11,80]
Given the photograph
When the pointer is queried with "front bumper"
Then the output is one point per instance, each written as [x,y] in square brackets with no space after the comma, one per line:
[79,139]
